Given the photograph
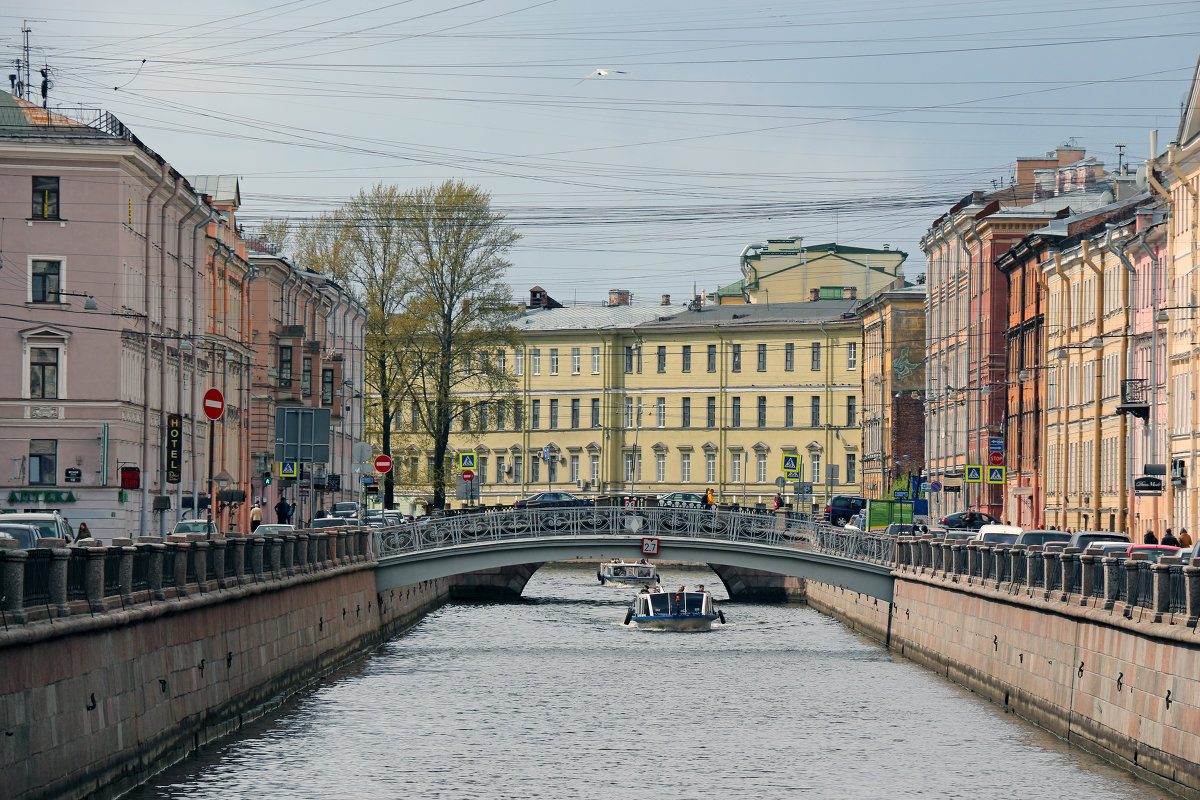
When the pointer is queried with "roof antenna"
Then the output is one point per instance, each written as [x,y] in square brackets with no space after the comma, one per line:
[47,85]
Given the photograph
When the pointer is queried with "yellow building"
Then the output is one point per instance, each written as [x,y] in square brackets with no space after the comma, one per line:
[786,271]
[653,399]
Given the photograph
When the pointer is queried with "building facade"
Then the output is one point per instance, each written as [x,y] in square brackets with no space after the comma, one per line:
[788,271]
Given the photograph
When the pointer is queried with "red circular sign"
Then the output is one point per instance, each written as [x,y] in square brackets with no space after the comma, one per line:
[383,463]
[214,404]
[996,459]
[468,475]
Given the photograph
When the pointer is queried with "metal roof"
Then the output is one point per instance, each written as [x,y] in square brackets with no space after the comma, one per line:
[223,189]
[589,317]
[810,313]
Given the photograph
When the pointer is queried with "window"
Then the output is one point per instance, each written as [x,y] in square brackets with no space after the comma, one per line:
[595,412]
[535,414]
[852,355]
[735,467]
[628,412]
[575,412]
[306,376]
[43,373]
[595,360]
[685,467]
[574,360]
[482,412]
[712,412]
[629,467]
[762,411]
[535,361]
[661,358]
[628,359]
[518,468]
[735,357]
[712,358]
[816,356]
[553,413]
[851,468]
[414,413]
[573,473]
[815,464]
[499,469]
[518,415]
[553,360]
[594,469]
[638,349]
[500,415]
[735,413]
[535,469]
[43,458]
[760,460]
[660,412]
[789,357]
[687,358]
[851,411]
[660,467]
[762,358]
[685,413]
[45,281]
[45,197]
[710,467]
[501,361]
[464,416]
[789,411]
[519,362]
[816,411]
[327,387]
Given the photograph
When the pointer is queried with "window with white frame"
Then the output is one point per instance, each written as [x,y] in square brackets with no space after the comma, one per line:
[660,412]
[685,467]
[595,360]
[660,467]
[519,362]
[535,361]
[574,360]
[45,281]
[815,467]
[594,469]
[735,466]
[628,412]
[44,361]
[553,360]
[760,462]
[710,467]
[574,469]
[852,355]
[629,467]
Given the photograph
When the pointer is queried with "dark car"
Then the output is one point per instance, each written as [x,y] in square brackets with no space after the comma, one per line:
[550,500]
[967,520]
[344,509]
[1083,539]
[842,507]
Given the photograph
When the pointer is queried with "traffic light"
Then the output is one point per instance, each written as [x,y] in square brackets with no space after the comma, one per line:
[131,478]
[267,478]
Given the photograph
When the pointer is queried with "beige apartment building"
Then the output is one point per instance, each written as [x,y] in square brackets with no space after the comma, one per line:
[653,399]
[788,271]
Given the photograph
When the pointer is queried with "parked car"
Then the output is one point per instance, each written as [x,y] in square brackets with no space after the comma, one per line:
[1083,539]
[961,534]
[335,522]
[204,526]
[998,534]
[1044,538]
[901,529]
[344,509]
[970,519]
[1153,551]
[267,530]
[1118,549]
[681,499]
[25,535]
[50,525]
[842,507]
[550,500]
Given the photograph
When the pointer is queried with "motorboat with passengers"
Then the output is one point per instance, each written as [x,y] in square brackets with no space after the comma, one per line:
[680,610]
[627,572]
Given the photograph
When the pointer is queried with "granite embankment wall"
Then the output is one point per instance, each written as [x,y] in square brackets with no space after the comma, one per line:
[1112,681]
[91,704]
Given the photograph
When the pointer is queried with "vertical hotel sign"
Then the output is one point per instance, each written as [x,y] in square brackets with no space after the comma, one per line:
[174,448]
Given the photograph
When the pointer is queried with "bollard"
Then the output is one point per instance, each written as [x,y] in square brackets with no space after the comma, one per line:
[94,578]
[1112,582]
[287,559]
[1087,576]
[1017,568]
[179,560]
[1132,584]
[154,567]
[1034,569]
[1162,589]
[1069,559]
[236,552]
[1051,570]
[1191,575]
[958,560]
[200,562]
[217,546]
[125,570]
[926,562]
[12,581]
[313,561]
[974,559]
[257,545]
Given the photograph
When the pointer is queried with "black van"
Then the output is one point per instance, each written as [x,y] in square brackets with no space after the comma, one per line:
[842,507]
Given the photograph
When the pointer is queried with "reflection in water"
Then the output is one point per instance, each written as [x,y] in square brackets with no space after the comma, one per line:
[554,698]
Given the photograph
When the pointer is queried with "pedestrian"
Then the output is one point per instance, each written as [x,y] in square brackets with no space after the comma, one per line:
[1169,539]
[778,501]
[283,510]
[1185,540]
[292,512]
[1150,538]
[82,532]
[255,516]
[708,498]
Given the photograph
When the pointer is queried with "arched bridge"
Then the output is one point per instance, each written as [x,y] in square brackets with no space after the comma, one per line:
[722,538]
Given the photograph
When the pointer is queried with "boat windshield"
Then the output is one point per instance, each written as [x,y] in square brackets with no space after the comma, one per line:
[663,603]
[640,571]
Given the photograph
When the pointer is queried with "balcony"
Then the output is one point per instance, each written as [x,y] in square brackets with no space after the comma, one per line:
[1134,398]
[291,331]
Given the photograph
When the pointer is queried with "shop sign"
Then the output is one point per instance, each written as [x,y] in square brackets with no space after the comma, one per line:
[41,496]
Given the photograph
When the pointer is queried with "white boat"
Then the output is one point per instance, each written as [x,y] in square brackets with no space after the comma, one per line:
[674,611]
[627,572]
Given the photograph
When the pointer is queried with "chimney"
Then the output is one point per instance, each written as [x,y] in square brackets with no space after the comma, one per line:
[619,297]
[666,300]
[849,292]
[814,294]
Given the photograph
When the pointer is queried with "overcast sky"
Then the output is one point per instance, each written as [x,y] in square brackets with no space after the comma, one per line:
[721,123]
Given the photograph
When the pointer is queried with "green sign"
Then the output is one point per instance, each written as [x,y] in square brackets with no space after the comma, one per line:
[41,495]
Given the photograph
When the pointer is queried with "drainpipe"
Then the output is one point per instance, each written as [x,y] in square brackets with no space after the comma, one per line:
[1118,250]
[179,226]
[331,344]
[1062,406]
[194,400]
[960,236]
[162,371]
[285,294]
[224,361]
[247,395]
[143,523]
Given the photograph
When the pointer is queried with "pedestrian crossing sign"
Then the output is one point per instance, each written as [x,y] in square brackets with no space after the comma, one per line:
[287,469]
[466,461]
[995,474]
[792,474]
[974,474]
[791,463]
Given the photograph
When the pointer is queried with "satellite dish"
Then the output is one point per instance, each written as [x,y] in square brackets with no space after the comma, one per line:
[1140,178]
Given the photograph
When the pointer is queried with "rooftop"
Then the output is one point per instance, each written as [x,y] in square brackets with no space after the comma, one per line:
[810,313]
[588,317]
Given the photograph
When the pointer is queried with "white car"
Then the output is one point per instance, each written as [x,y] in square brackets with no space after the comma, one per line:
[858,522]
[204,526]
[686,499]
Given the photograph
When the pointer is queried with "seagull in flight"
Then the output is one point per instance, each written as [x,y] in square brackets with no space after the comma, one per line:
[600,73]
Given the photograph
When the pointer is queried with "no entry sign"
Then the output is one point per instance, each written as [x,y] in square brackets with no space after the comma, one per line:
[468,475]
[214,404]
[383,463]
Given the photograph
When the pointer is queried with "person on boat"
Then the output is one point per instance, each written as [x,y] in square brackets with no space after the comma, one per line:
[701,588]
[658,588]
[643,561]
[682,588]
[645,590]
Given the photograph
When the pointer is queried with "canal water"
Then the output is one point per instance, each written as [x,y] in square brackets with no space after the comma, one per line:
[554,698]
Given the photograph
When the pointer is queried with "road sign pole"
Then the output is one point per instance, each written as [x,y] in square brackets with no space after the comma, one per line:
[212,437]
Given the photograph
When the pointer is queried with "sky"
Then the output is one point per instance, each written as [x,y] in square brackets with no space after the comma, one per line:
[719,123]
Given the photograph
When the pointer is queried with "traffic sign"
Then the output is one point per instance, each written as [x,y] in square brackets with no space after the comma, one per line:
[466,461]
[900,494]
[288,469]
[383,463]
[935,486]
[649,546]
[780,482]
[974,474]
[214,404]
[996,444]
[995,474]
[791,462]
[792,475]
[468,475]
[995,458]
